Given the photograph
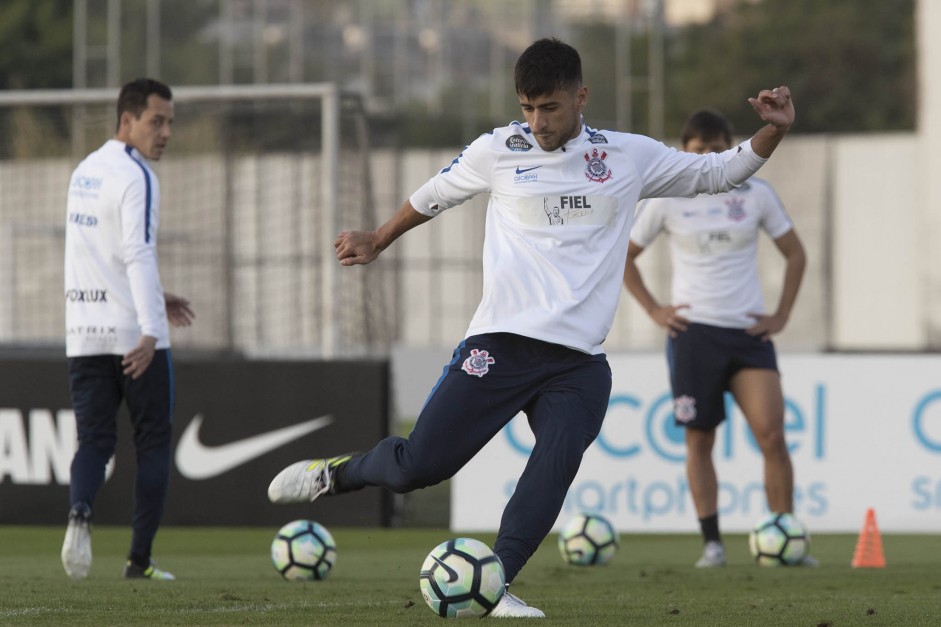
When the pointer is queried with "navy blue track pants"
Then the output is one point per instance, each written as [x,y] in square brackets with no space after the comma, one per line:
[490,379]
[98,387]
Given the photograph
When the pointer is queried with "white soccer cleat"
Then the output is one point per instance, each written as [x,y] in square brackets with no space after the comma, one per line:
[305,481]
[511,606]
[713,555]
[76,549]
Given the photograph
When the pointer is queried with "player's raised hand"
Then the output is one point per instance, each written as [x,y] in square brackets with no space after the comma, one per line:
[774,106]
[356,247]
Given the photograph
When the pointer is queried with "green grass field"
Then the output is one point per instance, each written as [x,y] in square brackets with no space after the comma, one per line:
[225,578]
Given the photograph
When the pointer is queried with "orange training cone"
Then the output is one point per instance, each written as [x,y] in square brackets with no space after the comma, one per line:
[868,552]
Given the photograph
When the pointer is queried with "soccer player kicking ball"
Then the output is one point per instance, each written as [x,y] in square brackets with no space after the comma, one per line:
[550,290]
[719,336]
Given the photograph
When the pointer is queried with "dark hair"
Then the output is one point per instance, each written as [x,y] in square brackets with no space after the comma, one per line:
[707,125]
[547,65]
[133,96]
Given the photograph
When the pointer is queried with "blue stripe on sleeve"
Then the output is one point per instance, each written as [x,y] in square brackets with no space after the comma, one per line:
[143,168]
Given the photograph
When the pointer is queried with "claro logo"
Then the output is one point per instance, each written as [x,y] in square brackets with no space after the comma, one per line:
[926,427]
[642,428]
[635,427]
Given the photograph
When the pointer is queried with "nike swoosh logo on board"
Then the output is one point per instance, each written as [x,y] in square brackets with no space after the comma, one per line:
[452,574]
[520,170]
[196,461]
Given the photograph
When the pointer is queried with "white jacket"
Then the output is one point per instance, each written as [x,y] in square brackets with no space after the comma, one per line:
[558,222]
[112,285]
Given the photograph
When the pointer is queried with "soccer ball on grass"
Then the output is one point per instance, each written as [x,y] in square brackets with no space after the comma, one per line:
[779,540]
[462,577]
[303,550]
[588,540]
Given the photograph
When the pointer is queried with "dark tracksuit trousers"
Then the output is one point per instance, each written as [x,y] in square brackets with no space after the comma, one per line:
[490,379]
[98,387]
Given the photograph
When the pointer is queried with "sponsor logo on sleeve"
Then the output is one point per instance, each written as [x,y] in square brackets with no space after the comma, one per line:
[518,144]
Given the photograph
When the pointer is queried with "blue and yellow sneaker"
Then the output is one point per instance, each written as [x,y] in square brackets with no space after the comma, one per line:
[133,571]
[305,481]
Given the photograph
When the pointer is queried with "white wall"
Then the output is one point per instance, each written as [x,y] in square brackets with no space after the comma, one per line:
[878,282]
[928,166]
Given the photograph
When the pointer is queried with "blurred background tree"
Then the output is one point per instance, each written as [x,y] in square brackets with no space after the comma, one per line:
[37,44]
[850,63]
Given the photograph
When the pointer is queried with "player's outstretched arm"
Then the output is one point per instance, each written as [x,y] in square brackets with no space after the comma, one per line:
[775,107]
[362,247]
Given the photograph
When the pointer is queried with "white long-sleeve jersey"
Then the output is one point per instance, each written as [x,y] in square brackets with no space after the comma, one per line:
[714,248]
[558,222]
[113,293]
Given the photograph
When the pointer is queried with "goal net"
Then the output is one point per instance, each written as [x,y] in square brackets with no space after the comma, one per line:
[255,185]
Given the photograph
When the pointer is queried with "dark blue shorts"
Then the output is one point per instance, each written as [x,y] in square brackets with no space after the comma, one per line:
[703,359]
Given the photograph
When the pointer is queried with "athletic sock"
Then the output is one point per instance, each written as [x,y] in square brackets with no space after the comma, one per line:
[710,528]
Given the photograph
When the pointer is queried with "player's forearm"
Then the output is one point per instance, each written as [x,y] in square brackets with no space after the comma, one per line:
[144,280]
[767,139]
[635,285]
[793,275]
[405,219]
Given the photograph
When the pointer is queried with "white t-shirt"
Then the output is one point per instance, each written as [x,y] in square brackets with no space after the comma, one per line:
[112,286]
[713,247]
[558,222]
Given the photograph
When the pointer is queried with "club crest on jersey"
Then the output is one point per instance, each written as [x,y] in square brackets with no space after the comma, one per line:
[518,144]
[478,364]
[684,408]
[736,209]
[596,169]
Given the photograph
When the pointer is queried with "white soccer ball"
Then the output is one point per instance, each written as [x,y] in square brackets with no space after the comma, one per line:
[779,540]
[303,550]
[588,540]
[461,578]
